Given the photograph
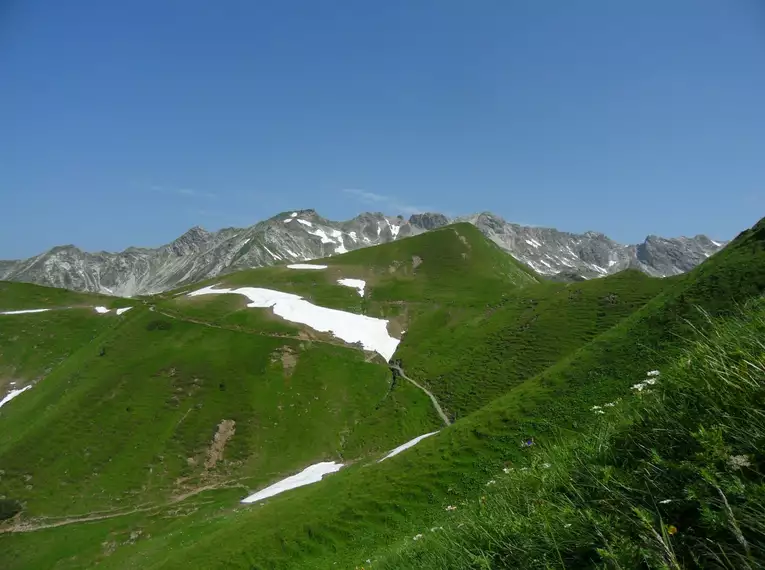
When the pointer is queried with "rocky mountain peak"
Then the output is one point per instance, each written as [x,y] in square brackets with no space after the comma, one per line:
[428,220]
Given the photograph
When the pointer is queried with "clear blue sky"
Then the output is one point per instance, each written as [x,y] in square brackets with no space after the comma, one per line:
[126,123]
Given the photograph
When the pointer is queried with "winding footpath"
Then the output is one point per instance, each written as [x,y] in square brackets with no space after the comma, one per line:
[436,405]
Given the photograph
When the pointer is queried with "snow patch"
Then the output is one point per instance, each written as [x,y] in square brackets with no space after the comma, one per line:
[372,333]
[306,266]
[24,311]
[12,394]
[101,310]
[611,262]
[407,445]
[292,253]
[532,242]
[311,474]
[123,310]
[288,220]
[714,242]
[355,284]
[324,237]
[271,253]
[305,223]
[353,235]
[294,214]
[341,248]
[394,229]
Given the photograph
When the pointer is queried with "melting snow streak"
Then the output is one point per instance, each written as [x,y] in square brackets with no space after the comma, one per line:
[306,266]
[12,394]
[24,311]
[372,333]
[407,445]
[309,475]
[355,284]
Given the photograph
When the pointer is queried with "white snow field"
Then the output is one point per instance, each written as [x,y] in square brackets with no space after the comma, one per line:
[305,266]
[123,310]
[311,474]
[12,394]
[372,333]
[354,284]
[407,445]
[101,310]
[24,311]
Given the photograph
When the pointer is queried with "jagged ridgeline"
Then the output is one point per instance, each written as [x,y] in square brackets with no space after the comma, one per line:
[303,235]
[142,433]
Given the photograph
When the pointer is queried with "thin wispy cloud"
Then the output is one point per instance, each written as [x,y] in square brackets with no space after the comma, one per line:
[390,201]
[185,192]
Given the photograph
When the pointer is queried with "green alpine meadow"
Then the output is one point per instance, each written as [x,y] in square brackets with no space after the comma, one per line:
[426,403]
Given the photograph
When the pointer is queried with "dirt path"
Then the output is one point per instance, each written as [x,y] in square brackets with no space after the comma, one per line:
[436,405]
[32,525]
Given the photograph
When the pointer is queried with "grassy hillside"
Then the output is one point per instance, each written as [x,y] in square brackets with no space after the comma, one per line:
[17,296]
[136,424]
[468,358]
[670,477]
[32,345]
[354,514]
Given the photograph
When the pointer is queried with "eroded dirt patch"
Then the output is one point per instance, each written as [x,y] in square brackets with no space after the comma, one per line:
[416,261]
[288,358]
[226,430]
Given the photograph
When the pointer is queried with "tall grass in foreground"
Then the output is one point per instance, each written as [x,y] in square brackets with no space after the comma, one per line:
[671,477]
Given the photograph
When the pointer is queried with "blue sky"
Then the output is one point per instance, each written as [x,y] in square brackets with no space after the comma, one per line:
[126,123]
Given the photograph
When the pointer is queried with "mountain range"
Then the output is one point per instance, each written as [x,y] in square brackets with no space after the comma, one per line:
[303,235]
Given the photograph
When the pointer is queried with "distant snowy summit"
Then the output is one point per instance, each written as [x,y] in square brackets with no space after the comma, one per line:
[301,235]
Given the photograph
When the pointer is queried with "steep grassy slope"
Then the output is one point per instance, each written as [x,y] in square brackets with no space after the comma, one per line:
[33,344]
[352,514]
[136,425]
[16,296]
[670,477]
[468,358]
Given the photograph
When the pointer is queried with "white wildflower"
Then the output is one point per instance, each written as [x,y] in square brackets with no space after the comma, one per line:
[649,381]
[451,508]
[651,373]
[567,525]
[665,501]
[595,407]
[417,537]
[546,465]
[507,469]
[435,528]
[739,461]
[492,482]
[599,412]
[610,404]
[639,386]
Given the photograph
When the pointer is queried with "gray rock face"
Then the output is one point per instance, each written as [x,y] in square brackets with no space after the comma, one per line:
[429,220]
[303,235]
[592,254]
